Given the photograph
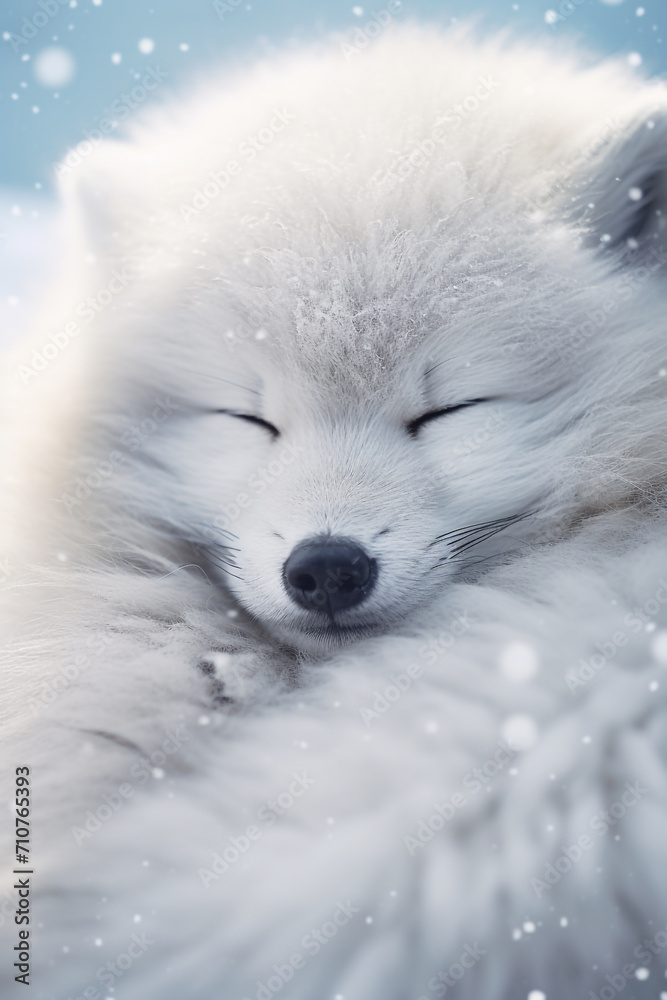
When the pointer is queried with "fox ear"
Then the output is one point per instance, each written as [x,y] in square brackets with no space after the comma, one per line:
[623,204]
[109,192]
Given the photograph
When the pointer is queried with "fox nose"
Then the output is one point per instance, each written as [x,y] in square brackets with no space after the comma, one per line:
[329,574]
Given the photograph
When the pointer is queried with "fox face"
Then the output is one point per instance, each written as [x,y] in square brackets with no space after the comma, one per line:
[383,385]
[335,505]
[338,480]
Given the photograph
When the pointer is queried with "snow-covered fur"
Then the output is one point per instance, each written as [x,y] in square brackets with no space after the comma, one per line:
[459,786]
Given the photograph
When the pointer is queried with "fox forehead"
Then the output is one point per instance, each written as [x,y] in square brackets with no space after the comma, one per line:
[377,317]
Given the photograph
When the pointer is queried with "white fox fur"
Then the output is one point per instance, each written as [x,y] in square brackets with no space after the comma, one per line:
[426,223]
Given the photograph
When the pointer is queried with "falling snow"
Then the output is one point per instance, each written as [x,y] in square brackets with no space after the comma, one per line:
[54,67]
[519,662]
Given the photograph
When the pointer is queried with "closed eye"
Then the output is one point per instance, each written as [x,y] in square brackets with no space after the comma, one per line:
[252,419]
[414,425]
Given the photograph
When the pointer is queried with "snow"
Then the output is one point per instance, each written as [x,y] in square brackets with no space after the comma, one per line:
[519,662]
[54,66]
[146,46]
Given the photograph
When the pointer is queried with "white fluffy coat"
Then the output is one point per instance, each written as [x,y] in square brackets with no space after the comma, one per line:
[488,262]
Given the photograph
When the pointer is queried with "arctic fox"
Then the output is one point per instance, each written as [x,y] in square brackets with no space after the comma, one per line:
[335,548]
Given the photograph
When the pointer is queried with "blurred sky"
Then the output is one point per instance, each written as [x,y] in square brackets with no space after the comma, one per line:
[47,98]
[63,64]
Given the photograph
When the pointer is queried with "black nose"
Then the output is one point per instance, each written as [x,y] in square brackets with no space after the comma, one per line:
[329,574]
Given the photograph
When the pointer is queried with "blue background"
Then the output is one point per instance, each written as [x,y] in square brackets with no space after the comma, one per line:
[38,124]
[92,31]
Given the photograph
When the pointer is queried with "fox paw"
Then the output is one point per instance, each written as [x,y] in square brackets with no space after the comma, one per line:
[234,677]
